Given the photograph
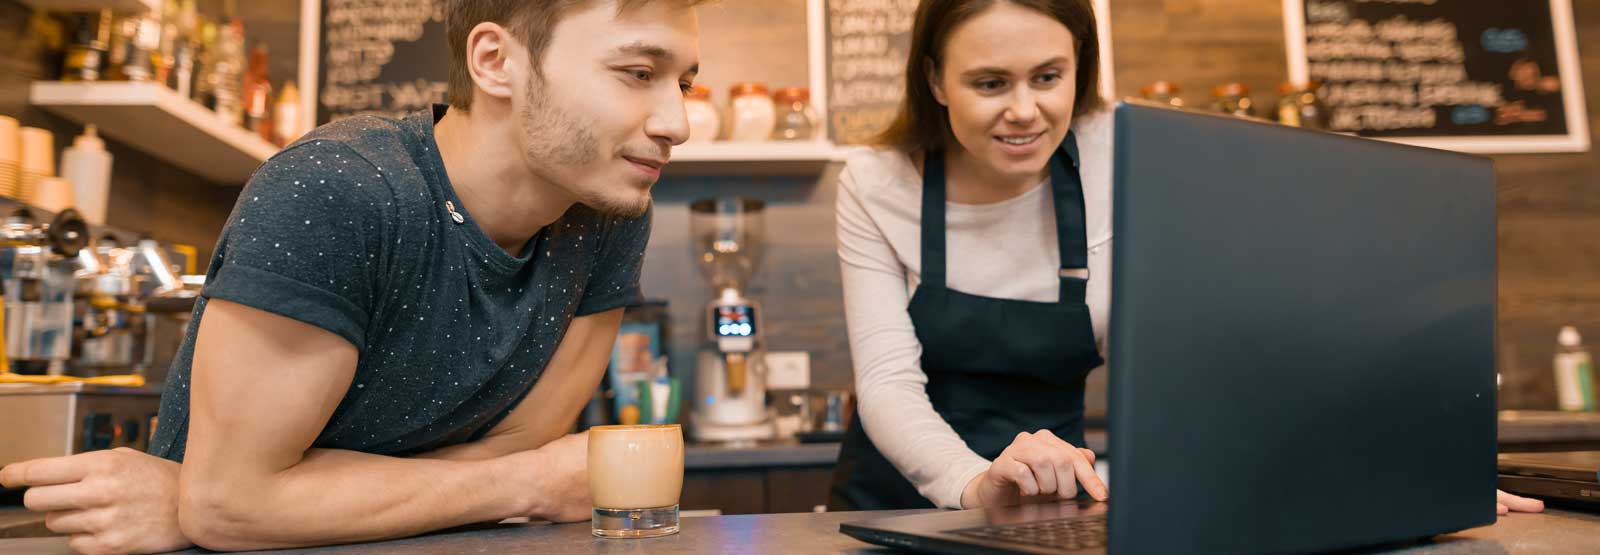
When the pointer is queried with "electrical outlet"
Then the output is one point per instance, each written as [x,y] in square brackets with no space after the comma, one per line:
[788,370]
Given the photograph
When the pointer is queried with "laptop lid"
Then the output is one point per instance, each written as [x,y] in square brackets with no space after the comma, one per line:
[1302,338]
[1578,466]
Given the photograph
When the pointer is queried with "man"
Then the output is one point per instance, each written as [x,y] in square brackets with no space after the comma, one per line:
[403,318]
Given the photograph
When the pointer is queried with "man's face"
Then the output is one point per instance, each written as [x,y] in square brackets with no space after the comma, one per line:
[602,119]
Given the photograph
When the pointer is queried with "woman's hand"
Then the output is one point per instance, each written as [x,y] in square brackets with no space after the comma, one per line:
[1037,465]
[1505,503]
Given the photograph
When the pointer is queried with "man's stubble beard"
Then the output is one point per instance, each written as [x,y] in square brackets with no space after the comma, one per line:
[557,138]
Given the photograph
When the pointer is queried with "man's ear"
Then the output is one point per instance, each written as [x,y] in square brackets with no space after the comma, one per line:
[494,60]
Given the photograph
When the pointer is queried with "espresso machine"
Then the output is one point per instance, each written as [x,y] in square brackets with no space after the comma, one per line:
[37,271]
[81,325]
[115,318]
[728,237]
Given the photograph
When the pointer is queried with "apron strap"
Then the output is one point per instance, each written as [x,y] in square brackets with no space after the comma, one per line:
[933,195]
[1071,230]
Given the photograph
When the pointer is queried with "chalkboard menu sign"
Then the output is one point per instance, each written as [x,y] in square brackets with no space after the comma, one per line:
[868,41]
[387,57]
[1465,75]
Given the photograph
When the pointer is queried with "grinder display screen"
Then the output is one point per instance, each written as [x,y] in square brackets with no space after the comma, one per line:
[733,321]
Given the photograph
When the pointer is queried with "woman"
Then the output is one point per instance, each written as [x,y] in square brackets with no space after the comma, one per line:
[991,202]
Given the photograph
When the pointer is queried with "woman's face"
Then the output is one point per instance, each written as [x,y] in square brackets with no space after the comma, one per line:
[1009,82]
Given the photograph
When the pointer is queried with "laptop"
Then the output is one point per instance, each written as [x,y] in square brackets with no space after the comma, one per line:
[1570,478]
[1301,350]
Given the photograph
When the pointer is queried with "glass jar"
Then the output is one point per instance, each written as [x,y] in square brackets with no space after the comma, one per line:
[1165,92]
[1233,99]
[1299,106]
[753,114]
[705,121]
[796,120]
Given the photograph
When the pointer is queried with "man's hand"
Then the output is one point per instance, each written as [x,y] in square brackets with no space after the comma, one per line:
[1505,503]
[558,476]
[111,502]
[1036,466]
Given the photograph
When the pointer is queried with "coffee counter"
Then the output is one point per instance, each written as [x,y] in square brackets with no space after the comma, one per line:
[1553,532]
[760,455]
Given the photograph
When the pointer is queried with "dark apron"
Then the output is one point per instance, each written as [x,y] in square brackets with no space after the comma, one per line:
[995,367]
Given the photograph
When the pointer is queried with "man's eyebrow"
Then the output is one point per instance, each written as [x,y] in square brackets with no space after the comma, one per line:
[643,49]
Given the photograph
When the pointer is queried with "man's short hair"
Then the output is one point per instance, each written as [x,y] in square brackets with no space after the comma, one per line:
[532,21]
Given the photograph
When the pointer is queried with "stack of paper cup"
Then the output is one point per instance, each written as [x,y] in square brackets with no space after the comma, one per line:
[10,157]
[53,194]
[38,160]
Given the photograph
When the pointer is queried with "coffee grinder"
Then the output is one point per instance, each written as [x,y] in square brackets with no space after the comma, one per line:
[728,237]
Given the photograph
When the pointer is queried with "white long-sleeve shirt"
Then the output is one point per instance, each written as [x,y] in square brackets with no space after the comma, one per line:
[1003,250]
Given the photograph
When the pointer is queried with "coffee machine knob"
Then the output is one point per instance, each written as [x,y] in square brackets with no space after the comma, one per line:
[68,233]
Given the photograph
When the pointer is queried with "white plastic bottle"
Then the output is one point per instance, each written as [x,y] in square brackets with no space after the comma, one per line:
[1574,373]
[88,166]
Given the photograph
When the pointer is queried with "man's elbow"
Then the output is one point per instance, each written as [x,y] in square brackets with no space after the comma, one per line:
[220,516]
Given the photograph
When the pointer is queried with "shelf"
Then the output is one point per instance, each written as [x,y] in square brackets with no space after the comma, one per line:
[753,158]
[119,6]
[155,120]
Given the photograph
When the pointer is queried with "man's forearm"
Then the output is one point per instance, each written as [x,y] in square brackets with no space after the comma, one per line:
[336,496]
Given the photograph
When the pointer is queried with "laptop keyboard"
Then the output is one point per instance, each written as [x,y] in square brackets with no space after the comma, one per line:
[1066,534]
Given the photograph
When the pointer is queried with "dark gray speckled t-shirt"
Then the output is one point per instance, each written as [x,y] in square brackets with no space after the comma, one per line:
[347,230]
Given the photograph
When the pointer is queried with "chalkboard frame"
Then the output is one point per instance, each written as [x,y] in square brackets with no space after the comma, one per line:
[1577,118]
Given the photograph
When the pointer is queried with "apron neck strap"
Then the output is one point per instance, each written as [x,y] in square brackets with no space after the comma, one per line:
[933,195]
[1072,235]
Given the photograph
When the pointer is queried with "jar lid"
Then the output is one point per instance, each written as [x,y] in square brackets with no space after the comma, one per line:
[788,95]
[1167,88]
[698,92]
[1230,89]
[1293,87]
[742,89]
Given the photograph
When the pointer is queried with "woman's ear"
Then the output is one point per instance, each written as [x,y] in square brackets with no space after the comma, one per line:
[932,71]
[492,60]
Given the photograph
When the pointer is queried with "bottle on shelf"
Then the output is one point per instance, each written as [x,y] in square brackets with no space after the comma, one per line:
[257,93]
[185,39]
[166,57]
[1575,388]
[135,42]
[205,67]
[286,112]
[229,71]
[90,47]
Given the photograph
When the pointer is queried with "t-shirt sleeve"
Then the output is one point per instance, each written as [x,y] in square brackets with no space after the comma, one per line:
[305,240]
[614,281]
